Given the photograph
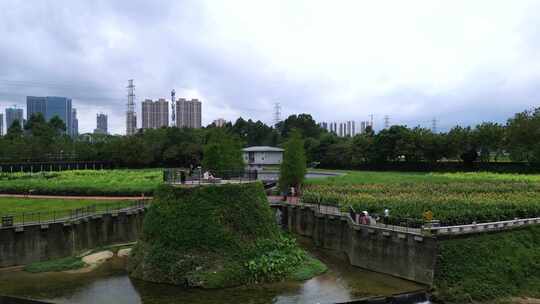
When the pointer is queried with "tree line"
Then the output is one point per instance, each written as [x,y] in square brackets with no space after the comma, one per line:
[516,140]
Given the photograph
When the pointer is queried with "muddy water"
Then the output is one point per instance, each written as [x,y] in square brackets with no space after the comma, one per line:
[110,284]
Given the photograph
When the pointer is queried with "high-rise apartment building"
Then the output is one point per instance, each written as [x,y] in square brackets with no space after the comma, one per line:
[342,129]
[1,124]
[50,107]
[188,113]
[74,123]
[146,113]
[364,125]
[101,124]
[220,122]
[155,114]
[14,114]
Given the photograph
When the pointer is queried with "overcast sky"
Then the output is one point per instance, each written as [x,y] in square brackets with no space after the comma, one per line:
[461,62]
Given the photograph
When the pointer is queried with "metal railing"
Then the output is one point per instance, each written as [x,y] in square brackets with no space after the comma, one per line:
[480,227]
[409,226]
[431,228]
[201,176]
[53,166]
[57,216]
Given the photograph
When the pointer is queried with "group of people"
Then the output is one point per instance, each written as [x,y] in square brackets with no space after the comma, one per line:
[363,218]
[184,174]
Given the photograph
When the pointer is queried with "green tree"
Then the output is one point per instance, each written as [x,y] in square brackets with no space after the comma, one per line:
[393,144]
[489,137]
[222,152]
[293,168]
[57,125]
[523,136]
[460,144]
[14,131]
[362,149]
[303,123]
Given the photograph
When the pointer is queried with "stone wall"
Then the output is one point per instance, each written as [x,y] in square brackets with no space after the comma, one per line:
[401,254]
[40,242]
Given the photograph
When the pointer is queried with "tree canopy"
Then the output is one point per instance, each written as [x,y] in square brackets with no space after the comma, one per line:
[222,152]
[517,140]
[293,166]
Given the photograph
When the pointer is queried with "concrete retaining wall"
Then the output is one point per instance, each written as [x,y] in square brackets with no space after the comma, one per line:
[405,255]
[33,243]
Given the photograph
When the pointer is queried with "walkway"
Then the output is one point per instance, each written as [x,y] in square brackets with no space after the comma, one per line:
[333,210]
[44,218]
[68,197]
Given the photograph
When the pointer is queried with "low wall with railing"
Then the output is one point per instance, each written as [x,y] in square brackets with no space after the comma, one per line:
[398,252]
[407,252]
[23,243]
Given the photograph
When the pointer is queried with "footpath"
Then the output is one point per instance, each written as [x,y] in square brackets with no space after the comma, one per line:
[67,197]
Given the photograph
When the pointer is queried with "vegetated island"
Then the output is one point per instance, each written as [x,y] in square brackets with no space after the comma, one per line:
[216,236]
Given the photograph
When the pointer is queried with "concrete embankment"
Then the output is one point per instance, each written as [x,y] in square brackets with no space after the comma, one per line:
[21,245]
[398,253]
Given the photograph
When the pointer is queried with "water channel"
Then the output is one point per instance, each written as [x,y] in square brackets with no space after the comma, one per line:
[111,284]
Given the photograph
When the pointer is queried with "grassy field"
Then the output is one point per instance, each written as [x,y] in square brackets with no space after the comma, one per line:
[25,209]
[84,182]
[453,198]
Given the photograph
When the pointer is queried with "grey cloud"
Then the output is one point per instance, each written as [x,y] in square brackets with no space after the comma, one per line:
[69,48]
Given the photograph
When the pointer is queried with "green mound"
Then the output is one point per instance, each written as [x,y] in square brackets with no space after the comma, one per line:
[216,236]
[489,266]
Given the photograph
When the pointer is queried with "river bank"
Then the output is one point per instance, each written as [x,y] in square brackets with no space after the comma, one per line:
[109,283]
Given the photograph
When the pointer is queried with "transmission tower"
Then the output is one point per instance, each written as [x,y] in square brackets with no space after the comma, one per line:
[173,107]
[277,113]
[386,121]
[434,125]
[131,116]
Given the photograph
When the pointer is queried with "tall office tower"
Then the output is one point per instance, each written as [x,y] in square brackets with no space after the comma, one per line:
[50,107]
[13,114]
[74,123]
[35,105]
[349,129]
[1,124]
[220,122]
[61,107]
[131,115]
[155,114]
[101,124]
[353,128]
[341,129]
[188,113]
